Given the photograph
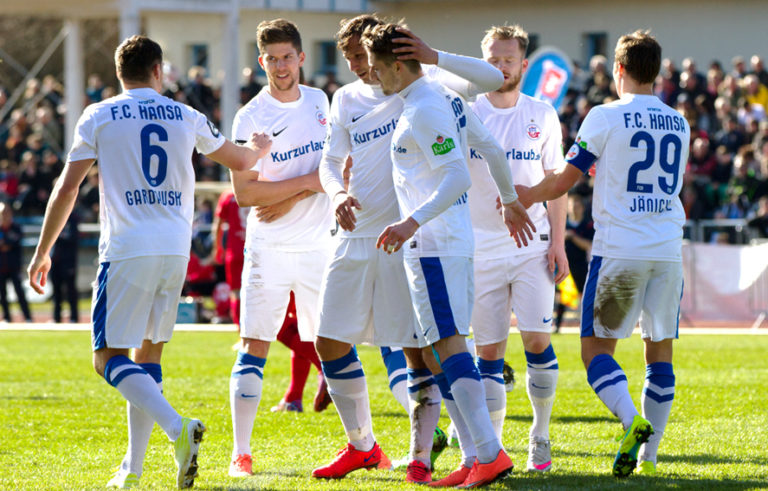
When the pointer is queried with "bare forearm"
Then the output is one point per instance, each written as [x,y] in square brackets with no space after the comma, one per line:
[250,191]
[56,214]
[557,210]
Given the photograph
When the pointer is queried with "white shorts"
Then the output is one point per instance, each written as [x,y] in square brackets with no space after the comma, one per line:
[619,292]
[269,276]
[364,297]
[522,283]
[442,294]
[136,299]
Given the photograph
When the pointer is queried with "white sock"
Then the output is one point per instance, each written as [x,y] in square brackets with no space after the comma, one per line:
[469,394]
[466,445]
[140,426]
[495,393]
[394,361]
[346,384]
[138,388]
[656,403]
[244,397]
[424,410]
[610,384]
[541,381]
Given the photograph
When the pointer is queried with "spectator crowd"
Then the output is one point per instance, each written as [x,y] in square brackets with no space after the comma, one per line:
[727,174]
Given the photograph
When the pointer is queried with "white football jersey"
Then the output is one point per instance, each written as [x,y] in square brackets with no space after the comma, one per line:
[143,143]
[640,149]
[431,132]
[530,135]
[298,131]
[361,125]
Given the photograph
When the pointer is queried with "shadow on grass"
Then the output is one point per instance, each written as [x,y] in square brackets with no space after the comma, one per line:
[606,481]
[564,419]
[715,459]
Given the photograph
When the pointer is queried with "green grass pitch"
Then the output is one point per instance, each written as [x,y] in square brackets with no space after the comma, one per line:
[63,427]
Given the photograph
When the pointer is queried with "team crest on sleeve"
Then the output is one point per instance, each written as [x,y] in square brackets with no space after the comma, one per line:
[442,145]
[213,128]
[574,150]
[533,131]
[320,116]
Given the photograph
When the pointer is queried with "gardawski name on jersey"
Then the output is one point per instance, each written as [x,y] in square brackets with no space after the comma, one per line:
[149,111]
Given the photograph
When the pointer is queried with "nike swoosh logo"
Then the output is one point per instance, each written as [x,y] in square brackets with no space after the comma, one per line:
[538,386]
[248,396]
[369,458]
[355,118]
[545,320]
[275,133]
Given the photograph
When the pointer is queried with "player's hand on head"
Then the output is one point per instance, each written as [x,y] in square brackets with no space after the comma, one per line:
[260,143]
[414,48]
[518,223]
[344,206]
[38,271]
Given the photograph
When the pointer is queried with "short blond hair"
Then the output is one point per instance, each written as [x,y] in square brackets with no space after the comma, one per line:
[505,33]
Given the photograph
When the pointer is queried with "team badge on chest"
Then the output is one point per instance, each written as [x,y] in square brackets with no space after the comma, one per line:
[533,131]
[320,116]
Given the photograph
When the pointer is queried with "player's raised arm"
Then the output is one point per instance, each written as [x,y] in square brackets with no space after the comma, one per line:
[465,75]
[242,157]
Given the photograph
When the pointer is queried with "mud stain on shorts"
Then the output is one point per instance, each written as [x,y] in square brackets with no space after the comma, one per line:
[614,299]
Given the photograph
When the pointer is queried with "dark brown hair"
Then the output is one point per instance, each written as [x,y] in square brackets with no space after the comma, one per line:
[640,55]
[277,31]
[135,58]
[349,28]
[378,40]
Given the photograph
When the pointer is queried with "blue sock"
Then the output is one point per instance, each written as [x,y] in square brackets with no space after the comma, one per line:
[469,394]
[656,403]
[495,392]
[394,361]
[424,397]
[154,370]
[541,380]
[245,387]
[610,384]
[348,389]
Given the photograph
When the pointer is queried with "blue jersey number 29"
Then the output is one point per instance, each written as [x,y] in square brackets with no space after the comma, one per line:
[148,150]
[670,149]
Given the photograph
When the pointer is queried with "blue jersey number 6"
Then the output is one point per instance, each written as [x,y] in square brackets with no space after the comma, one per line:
[148,150]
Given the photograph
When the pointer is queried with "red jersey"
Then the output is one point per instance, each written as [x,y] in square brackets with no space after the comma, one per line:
[232,214]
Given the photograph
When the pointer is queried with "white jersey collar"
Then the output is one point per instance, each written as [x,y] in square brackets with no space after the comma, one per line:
[143,92]
[419,82]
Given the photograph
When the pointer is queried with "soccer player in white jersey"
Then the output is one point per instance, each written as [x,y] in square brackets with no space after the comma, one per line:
[639,147]
[365,293]
[429,152]
[143,143]
[288,253]
[508,277]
